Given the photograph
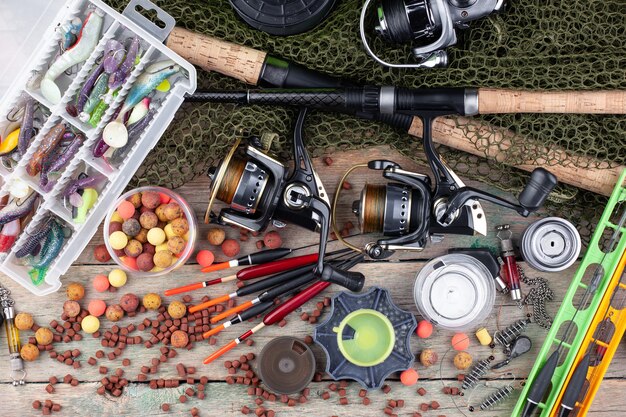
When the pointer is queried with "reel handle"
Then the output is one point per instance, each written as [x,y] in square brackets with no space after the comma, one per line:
[536,191]
[352,281]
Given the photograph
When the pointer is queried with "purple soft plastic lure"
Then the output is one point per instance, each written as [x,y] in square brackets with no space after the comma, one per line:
[26,129]
[60,160]
[118,77]
[113,56]
[18,208]
[71,191]
[28,248]
[75,109]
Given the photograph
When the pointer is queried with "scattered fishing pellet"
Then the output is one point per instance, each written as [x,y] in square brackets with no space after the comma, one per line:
[325,395]
[460,377]
[249,342]
[291,402]
[421,391]
[342,392]
[273,240]
[346,185]
[434,405]
[49,389]
[36,404]
[388,411]
[260,244]
[282,323]
[409,377]
[416,414]
[332,387]
[392,403]
[386,389]
[182,399]
[328,160]
[245,410]
[460,341]
[424,329]
[165,407]
[366,401]
[424,406]
[343,401]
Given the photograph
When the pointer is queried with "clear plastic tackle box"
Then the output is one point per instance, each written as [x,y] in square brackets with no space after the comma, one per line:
[114,175]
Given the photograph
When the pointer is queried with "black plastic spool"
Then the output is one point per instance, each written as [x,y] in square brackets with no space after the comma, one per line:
[283,17]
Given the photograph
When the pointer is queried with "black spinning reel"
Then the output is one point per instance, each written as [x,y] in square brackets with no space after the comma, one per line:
[408,211]
[429,24]
[258,189]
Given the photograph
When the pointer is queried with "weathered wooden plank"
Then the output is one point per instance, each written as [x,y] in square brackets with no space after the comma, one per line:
[398,277]
[227,400]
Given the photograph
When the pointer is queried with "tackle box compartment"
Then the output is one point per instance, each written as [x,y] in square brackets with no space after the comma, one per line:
[115,177]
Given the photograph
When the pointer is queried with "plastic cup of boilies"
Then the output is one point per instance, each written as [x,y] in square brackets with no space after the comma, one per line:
[177,260]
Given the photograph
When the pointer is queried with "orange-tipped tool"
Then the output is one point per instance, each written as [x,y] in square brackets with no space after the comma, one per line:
[252,259]
[268,295]
[240,318]
[273,316]
[251,272]
[255,287]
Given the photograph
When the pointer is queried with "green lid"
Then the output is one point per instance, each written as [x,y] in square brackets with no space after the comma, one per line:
[365,337]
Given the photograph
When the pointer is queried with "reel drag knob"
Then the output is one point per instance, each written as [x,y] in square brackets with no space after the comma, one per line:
[539,186]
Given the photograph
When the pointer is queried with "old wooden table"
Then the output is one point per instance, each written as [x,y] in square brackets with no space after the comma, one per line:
[396,274]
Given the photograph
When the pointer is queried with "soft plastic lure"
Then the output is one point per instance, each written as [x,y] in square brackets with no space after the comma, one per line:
[47,145]
[26,129]
[18,208]
[84,46]
[30,246]
[70,32]
[61,159]
[9,235]
[74,109]
[115,134]
[95,97]
[72,190]
[49,251]
[118,77]
[113,56]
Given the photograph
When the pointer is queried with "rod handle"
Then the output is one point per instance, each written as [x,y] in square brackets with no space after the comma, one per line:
[211,54]
[493,101]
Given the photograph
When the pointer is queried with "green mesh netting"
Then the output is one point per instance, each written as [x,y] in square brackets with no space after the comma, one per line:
[535,44]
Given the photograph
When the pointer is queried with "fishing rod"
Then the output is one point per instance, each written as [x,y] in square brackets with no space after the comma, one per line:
[539,387]
[260,68]
[447,206]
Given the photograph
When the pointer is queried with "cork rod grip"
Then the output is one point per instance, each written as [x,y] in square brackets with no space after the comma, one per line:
[484,140]
[212,54]
[492,101]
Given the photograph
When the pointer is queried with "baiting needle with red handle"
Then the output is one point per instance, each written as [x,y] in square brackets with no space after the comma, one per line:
[251,259]
[251,272]
[273,317]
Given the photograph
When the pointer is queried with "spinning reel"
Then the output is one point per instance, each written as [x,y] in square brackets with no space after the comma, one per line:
[408,211]
[431,24]
[258,189]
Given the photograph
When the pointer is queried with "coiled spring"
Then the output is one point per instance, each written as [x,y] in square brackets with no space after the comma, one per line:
[508,335]
[478,371]
[496,397]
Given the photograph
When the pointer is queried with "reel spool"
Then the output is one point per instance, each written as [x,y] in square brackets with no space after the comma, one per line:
[286,365]
[247,184]
[430,24]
